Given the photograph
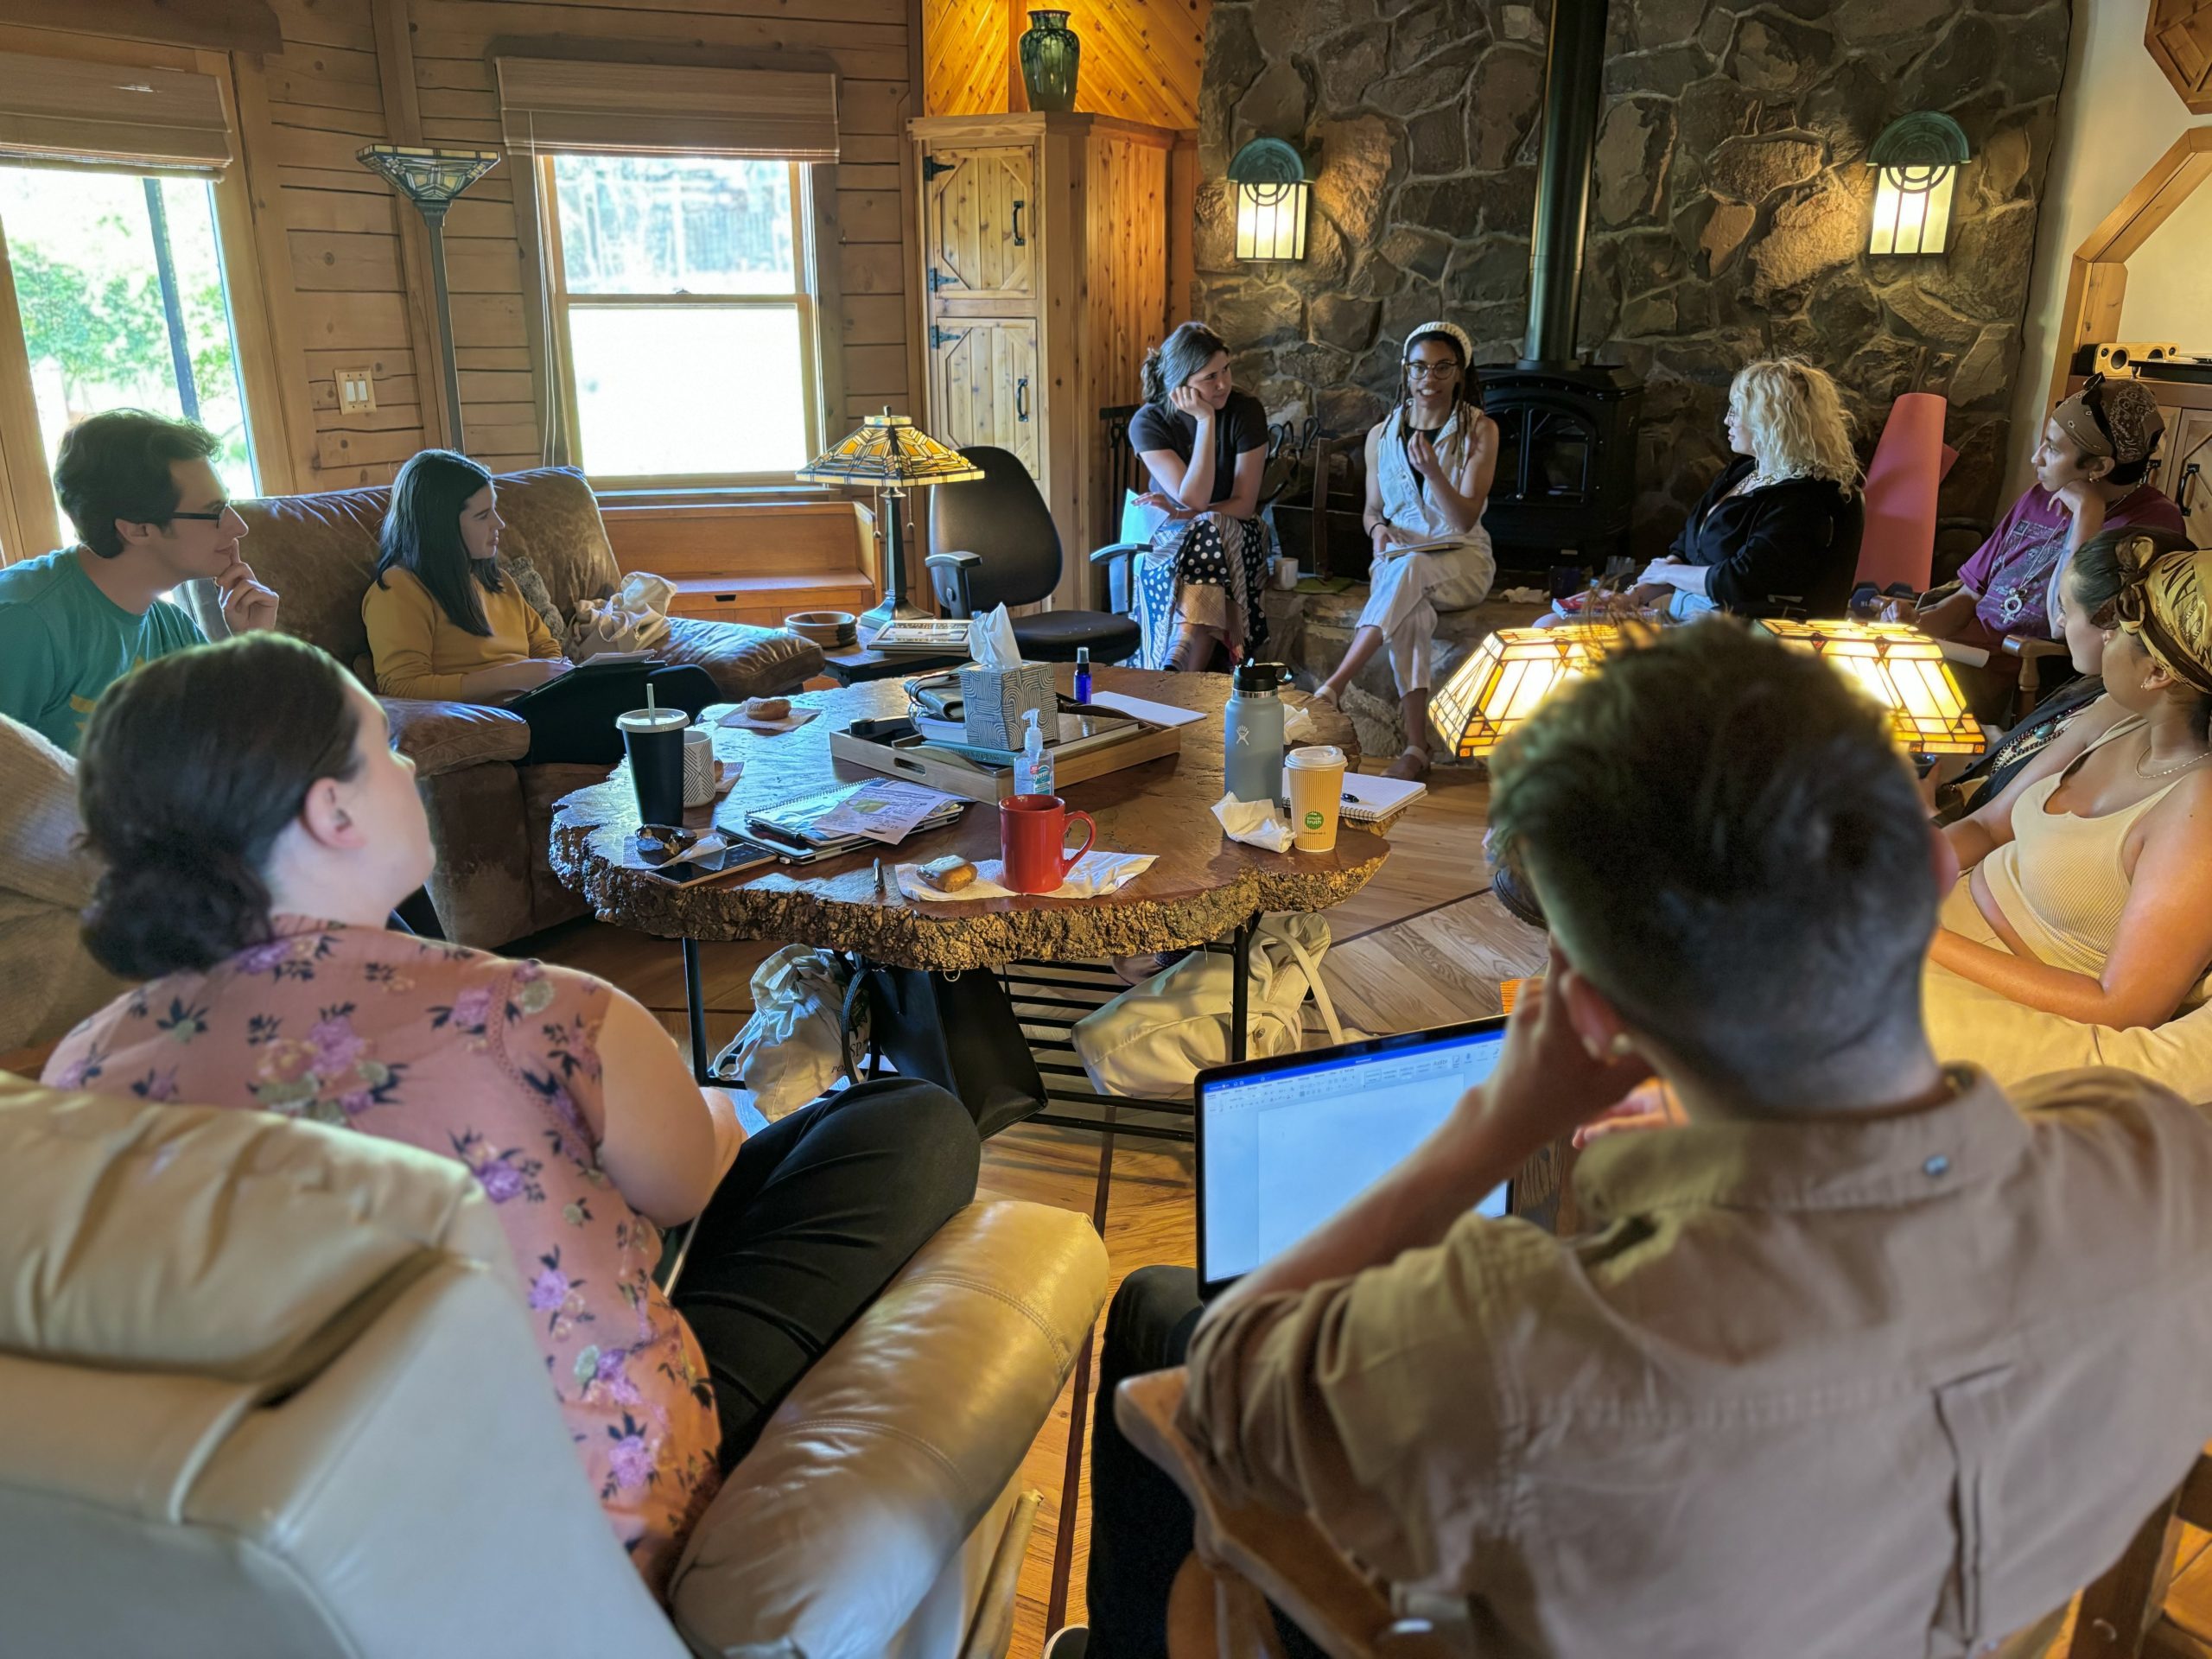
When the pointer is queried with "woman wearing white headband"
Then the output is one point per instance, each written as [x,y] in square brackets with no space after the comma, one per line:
[1429,464]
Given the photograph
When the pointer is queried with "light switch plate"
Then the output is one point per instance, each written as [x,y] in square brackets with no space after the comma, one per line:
[357,391]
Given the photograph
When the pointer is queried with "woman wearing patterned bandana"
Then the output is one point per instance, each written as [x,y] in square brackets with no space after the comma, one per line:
[2090,468]
[1429,466]
[2088,890]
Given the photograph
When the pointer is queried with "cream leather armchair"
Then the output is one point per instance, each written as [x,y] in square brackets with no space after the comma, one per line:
[269,1389]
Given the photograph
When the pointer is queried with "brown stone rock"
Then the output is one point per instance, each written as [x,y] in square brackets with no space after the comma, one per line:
[1448,208]
[1213,244]
[1984,375]
[1958,65]
[1356,159]
[1503,99]
[1857,22]
[1436,142]
[1924,314]
[1275,106]
[1347,409]
[1233,61]
[1986,274]
[1723,234]
[1813,234]
[1667,23]
[1439,81]
[1328,255]
[2035,63]
[1751,169]
[1709,113]
[1970,489]
[1649,314]
[1350,65]
[1633,148]
[1285,30]
[1774,55]
[1509,202]
[2001,167]
[1250,316]
[1420,254]
[1884,368]
[1848,110]
[1487,269]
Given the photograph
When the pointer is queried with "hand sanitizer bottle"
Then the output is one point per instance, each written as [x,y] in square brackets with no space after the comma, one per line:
[1033,773]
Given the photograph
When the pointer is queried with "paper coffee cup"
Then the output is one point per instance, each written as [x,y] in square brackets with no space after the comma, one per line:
[700,775]
[1316,779]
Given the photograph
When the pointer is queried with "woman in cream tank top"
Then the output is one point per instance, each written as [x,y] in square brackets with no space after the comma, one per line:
[1429,466]
[2088,883]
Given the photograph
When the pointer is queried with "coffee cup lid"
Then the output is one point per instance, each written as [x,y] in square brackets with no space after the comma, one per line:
[1316,756]
[652,720]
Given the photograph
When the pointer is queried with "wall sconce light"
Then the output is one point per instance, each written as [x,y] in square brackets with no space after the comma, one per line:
[1915,162]
[1272,185]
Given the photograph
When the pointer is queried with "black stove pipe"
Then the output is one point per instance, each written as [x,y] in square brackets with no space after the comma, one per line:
[1574,87]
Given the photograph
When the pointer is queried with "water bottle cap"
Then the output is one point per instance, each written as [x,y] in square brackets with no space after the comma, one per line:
[1263,677]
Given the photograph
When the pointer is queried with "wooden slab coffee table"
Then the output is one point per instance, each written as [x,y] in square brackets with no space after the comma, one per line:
[1201,887]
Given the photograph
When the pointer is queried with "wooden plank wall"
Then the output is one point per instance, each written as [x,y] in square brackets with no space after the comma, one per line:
[1141,58]
[324,99]
[1127,201]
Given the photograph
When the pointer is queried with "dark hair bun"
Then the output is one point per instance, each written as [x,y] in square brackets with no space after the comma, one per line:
[165,912]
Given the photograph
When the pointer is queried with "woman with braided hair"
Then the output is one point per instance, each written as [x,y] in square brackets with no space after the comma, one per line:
[2087,890]
[1429,466]
[1204,444]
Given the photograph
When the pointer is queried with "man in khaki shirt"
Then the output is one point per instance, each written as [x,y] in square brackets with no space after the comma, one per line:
[1864,1358]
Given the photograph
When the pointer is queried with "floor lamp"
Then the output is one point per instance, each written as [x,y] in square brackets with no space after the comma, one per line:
[431,179]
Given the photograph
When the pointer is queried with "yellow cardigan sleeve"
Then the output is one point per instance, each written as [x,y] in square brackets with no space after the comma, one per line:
[403,621]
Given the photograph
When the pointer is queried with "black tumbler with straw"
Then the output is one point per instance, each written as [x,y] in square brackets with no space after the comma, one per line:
[653,738]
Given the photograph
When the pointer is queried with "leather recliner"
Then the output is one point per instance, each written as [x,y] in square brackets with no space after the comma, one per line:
[271,1389]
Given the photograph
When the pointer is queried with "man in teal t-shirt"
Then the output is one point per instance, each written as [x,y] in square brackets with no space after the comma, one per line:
[149,513]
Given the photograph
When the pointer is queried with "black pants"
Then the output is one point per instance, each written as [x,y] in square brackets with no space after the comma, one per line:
[1140,1520]
[820,1210]
[573,720]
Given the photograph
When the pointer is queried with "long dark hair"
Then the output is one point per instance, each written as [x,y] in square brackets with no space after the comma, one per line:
[422,536]
[1176,359]
[183,806]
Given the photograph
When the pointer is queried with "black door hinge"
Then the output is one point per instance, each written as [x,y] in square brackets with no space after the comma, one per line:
[931,167]
[938,279]
[943,336]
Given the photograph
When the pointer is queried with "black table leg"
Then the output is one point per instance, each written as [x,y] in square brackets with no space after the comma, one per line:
[694,1002]
[1240,994]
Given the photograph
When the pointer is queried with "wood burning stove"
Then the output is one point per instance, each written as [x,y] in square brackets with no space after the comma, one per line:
[1567,429]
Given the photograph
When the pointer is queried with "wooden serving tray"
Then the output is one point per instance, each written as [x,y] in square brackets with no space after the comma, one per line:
[974,780]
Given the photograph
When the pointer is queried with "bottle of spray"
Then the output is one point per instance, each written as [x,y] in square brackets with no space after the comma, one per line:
[1083,673]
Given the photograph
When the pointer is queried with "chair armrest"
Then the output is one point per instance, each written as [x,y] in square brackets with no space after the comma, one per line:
[1114,550]
[1120,578]
[1286,1558]
[2030,649]
[442,737]
[949,577]
[745,661]
[872,1473]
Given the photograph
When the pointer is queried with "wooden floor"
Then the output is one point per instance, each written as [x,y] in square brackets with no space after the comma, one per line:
[1422,945]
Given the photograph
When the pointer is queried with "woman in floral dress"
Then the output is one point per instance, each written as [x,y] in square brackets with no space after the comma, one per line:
[249,871]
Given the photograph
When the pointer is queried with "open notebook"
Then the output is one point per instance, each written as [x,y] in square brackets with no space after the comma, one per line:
[1376,799]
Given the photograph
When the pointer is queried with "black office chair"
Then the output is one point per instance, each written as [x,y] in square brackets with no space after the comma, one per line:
[993,543]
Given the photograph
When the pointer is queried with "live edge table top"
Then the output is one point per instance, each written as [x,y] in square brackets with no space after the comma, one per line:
[1202,884]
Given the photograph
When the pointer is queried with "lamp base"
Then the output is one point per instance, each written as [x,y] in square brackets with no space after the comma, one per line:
[874,621]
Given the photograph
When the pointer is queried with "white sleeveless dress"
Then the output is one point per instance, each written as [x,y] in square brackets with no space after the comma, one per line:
[1407,590]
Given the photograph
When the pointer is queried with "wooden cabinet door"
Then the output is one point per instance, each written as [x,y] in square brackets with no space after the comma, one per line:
[2189,433]
[979,225]
[983,386]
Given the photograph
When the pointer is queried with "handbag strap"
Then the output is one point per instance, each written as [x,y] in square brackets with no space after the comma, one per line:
[1311,964]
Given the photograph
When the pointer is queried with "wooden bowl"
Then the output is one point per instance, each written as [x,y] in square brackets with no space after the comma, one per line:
[827,629]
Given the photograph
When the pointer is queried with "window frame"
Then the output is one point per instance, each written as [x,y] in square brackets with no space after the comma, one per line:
[806,247]
[30,521]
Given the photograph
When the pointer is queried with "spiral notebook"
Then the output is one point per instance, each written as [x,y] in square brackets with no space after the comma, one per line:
[1374,800]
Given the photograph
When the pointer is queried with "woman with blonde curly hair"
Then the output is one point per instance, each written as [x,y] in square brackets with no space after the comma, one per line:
[1779,528]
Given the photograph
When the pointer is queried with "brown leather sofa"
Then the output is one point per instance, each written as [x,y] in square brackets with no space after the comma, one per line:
[489,815]
[48,980]
[271,1390]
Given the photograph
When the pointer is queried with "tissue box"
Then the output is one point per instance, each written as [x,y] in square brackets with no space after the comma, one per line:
[993,700]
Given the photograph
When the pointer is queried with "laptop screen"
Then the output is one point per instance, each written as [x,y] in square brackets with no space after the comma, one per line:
[1284,1144]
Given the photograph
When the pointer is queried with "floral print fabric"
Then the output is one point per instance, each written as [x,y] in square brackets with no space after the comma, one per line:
[480,1059]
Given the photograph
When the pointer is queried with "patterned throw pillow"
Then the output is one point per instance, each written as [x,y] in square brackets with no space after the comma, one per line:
[531,587]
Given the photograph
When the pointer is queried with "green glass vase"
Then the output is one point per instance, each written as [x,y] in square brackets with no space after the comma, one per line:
[1050,55]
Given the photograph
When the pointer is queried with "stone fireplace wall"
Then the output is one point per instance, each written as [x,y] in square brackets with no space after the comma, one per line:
[1728,219]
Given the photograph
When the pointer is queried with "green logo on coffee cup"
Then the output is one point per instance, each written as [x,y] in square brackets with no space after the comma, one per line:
[1313,820]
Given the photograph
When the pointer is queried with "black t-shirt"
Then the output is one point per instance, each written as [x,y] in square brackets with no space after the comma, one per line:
[1239,428]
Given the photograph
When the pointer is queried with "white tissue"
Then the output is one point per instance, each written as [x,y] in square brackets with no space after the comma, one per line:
[1297,721]
[1256,824]
[990,639]
[1095,874]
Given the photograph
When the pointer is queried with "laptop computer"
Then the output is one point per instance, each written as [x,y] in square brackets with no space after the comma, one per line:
[1284,1143]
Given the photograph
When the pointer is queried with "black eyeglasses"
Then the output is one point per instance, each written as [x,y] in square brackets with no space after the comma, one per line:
[1430,371]
[222,510]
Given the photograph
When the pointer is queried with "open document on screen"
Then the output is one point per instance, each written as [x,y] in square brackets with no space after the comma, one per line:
[1287,1148]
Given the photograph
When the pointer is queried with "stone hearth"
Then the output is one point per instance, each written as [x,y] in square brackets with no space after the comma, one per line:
[1728,218]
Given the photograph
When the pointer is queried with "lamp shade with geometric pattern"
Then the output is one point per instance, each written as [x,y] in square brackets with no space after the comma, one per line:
[1900,668]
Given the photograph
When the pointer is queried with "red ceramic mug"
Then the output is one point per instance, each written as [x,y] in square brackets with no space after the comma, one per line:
[1032,837]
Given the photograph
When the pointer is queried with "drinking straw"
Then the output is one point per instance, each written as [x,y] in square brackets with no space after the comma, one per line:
[650,706]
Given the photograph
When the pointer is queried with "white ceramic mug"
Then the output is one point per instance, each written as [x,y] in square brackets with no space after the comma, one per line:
[1286,573]
[699,773]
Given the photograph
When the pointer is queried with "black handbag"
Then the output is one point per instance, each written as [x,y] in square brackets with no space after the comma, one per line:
[911,1014]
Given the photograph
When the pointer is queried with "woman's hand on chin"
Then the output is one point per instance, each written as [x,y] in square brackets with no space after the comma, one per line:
[1189,402]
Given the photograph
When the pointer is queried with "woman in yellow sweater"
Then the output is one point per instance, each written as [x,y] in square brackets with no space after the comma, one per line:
[444,624]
